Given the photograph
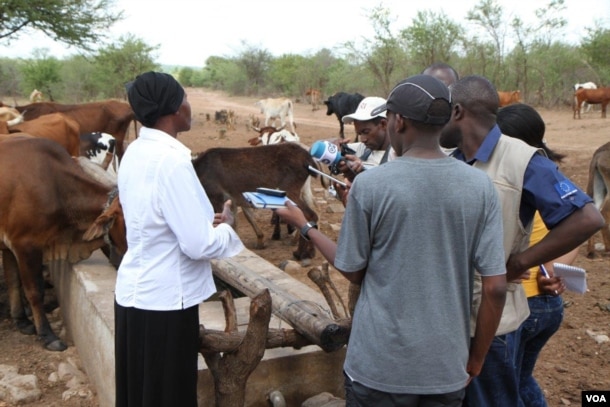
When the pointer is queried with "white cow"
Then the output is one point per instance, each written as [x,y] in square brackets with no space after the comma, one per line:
[586,85]
[280,108]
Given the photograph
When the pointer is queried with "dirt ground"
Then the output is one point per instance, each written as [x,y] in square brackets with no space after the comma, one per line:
[571,362]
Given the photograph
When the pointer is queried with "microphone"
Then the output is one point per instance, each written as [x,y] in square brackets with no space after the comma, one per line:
[326,152]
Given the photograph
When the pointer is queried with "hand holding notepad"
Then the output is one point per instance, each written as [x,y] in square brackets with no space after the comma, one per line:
[575,278]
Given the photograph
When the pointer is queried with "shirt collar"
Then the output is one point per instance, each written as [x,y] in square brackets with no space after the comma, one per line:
[147,133]
[487,147]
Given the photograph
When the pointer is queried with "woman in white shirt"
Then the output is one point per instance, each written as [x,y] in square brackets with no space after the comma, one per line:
[172,233]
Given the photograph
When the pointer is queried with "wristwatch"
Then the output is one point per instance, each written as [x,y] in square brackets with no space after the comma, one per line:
[306,228]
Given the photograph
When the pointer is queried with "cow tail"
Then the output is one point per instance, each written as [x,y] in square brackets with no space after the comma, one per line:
[306,194]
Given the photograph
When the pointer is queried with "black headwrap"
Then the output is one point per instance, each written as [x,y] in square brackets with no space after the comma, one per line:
[152,95]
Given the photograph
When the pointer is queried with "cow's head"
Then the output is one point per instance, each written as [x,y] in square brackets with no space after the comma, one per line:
[111,225]
[330,106]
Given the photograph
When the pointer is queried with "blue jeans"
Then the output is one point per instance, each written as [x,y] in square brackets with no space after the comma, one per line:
[497,385]
[546,314]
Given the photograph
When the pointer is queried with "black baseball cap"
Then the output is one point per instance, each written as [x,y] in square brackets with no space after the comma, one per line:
[413,97]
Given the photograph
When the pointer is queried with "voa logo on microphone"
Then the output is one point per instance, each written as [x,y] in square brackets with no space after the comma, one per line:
[595,398]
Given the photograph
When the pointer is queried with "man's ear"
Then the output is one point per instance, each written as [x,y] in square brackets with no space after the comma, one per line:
[400,123]
[458,111]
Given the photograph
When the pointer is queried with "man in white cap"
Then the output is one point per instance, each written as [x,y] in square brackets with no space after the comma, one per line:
[374,147]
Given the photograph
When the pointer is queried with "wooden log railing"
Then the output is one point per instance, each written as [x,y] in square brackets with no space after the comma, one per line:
[294,302]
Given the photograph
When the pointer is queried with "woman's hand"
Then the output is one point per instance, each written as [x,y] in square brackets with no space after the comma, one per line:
[226,216]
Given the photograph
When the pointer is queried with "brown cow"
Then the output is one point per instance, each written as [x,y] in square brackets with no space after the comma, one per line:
[314,98]
[55,126]
[598,188]
[510,97]
[48,208]
[599,96]
[110,116]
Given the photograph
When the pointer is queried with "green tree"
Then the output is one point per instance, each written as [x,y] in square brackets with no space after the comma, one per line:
[489,16]
[384,56]
[79,84]
[540,34]
[185,76]
[10,78]
[255,63]
[315,71]
[41,72]
[432,37]
[79,23]
[552,73]
[120,63]
[595,47]
[225,74]
[284,74]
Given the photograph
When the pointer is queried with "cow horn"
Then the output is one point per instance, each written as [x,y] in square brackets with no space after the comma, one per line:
[15,121]
[96,172]
[256,129]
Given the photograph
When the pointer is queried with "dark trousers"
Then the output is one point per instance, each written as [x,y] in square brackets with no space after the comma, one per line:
[156,357]
[358,395]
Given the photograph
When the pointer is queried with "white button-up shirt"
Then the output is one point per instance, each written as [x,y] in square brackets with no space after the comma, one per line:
[170,235]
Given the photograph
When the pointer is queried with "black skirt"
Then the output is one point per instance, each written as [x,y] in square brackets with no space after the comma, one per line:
[156,357]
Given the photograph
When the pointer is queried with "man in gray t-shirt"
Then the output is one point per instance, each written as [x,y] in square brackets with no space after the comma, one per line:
[414,231]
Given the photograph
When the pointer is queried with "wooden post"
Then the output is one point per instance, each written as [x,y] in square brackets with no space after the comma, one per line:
[232,369]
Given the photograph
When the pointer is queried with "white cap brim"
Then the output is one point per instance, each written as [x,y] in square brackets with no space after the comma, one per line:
[364,111]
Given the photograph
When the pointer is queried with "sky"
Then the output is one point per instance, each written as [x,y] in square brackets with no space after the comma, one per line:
[189,31]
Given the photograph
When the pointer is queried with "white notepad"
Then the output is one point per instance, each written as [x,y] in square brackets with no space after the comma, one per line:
[575,278]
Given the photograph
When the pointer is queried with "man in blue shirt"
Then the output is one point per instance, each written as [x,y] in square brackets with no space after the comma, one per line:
[567,211]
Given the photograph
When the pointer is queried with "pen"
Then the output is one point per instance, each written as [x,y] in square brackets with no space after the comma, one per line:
[546,274]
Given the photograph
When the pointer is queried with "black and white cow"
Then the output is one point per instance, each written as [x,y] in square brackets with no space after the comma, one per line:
[341,104]
[100,148]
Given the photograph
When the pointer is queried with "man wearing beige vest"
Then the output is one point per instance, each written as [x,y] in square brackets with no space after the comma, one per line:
[526,181]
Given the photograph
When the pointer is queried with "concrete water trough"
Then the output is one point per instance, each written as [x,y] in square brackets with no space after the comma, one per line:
[86,295]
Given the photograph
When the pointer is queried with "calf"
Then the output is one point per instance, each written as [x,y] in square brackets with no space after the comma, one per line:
[49,210]
[283,166]
[342,104]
